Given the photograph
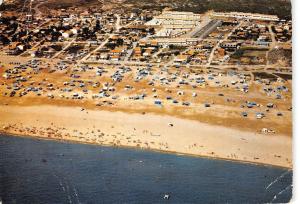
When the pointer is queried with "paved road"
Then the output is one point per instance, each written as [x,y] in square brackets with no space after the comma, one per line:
[205,20]
[238,67]
[118,26]
[64,49]
[211,56]
[207,29]
[129,53]
[36,9]
[98,48]
[274,42]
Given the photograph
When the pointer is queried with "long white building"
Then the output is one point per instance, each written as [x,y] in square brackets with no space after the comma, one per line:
[175,41]
[176,20]
[241,15]
[176,15]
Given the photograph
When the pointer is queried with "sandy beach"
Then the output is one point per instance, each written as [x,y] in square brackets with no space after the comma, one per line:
[146,131]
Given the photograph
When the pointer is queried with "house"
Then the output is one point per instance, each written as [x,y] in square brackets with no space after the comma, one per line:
[137,51]
[229,45]
[116,52]
[115,58]
[182,59]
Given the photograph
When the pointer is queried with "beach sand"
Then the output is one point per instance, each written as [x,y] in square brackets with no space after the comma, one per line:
[146,131]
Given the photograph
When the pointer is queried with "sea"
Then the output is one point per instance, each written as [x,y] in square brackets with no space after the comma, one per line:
[44,171]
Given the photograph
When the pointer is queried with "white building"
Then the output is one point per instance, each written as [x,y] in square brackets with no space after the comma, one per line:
[176,41]
[250,16]
[176,20]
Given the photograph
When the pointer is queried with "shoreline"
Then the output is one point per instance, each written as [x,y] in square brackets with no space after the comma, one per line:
[146,132]
[144,149]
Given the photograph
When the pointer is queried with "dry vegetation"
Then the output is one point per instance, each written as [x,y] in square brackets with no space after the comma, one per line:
[280,56]
[282,8]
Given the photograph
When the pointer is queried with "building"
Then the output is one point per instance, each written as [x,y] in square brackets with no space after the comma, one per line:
[176,20]
[250,16]
[182,59]
[174,41]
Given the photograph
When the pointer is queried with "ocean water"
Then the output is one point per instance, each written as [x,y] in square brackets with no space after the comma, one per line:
[40,171]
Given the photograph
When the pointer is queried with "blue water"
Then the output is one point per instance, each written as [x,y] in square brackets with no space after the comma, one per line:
[40,171]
